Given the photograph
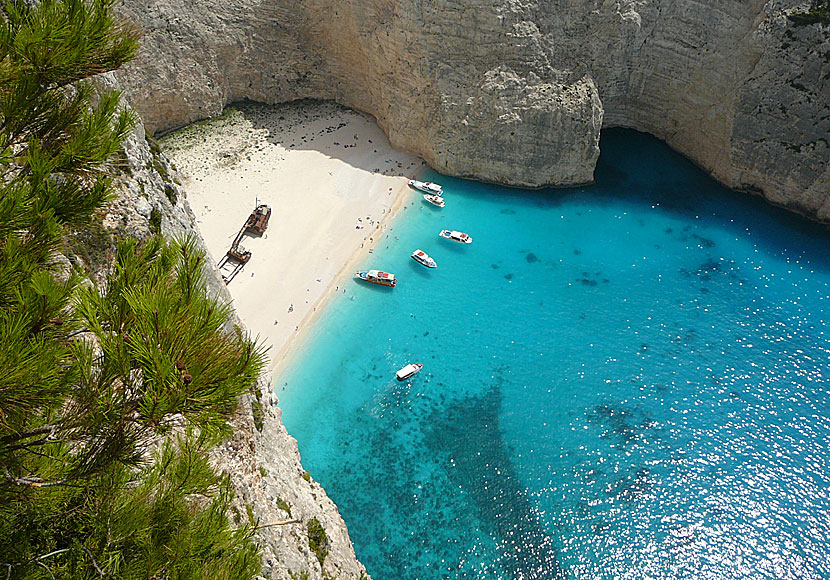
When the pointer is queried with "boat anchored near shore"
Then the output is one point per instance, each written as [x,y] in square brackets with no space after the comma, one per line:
[456,236]
[423,258]
[377,277]
[427,187]
[434,199]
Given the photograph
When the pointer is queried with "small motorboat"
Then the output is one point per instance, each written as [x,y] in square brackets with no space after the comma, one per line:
[456,236]
[427,187]
[423,258]
[377,277]
[434,199]
[408,371]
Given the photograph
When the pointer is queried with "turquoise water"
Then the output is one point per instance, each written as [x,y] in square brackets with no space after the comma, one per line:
[626,380]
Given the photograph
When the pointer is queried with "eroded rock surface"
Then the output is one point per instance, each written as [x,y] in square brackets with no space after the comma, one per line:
[511,91]
[268,479]
[516,91]
[261,457]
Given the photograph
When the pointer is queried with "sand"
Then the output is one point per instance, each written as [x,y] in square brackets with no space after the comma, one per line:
[333,182]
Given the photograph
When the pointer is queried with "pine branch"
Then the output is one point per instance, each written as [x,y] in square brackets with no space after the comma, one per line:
[29,481]
[77,332]
[49,555]
[44,455]
[161,343]
[94,563]
[35,560]
[45,567]
[36,443]
[50,428]
[280,523]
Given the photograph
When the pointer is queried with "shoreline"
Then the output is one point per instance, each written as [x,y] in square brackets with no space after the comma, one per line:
[307,325]
[334,184]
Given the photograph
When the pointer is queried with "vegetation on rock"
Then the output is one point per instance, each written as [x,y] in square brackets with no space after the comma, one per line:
[258,415]
[819,13]
[92,377]
[318,541]
[154,223]
[283,505]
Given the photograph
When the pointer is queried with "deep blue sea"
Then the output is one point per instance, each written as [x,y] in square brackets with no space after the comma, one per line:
[627,380]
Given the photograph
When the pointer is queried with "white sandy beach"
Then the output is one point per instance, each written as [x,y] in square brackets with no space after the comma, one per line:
[333,182]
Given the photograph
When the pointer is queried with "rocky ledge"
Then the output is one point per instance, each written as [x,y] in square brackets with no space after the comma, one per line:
[299,529]
[512,91]
[284,501]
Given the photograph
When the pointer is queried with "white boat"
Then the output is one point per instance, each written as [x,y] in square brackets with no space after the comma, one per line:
[408,371]
[377,277]
[423,258]
[434,199]
[456,236]
[427,187]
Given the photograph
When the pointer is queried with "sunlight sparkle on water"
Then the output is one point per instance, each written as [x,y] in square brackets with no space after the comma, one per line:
[626,380]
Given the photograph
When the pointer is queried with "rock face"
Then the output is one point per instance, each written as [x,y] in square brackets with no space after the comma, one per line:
[268,480]
[261,457]
[516,91]
[511,91]
[467,87]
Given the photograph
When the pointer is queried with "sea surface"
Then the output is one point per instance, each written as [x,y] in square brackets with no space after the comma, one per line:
[627,380]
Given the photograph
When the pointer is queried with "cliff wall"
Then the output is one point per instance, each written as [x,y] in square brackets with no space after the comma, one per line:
[261,458]
[516,91]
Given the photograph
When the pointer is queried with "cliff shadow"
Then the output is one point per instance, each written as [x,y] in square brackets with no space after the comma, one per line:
[647,171]
[633,167]
[333,130]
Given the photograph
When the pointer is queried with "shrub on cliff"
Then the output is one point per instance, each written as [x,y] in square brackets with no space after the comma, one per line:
[819,13]
[318,541]
[90,377]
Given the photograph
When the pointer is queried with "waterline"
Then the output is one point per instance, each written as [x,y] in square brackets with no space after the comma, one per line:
[621,380]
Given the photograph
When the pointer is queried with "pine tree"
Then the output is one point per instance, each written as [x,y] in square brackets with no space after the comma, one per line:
[91,377]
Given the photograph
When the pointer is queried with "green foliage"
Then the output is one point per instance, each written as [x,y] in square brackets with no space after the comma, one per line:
[171,523]
[258,414]
[318,542]
[77,417]
[155,221]
[154,316]
[283,505]
[91,377]
[819,13]
[49,129]
[170,192]
[307,476]
[153,145]
[300,576]
[252,519]
[63,41]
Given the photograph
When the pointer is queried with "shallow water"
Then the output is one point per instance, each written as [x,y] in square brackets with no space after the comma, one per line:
[625,380]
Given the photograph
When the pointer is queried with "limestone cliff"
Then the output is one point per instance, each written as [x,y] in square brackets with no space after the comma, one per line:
[264,464]
[512,91]
[516,91]
[261,458]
